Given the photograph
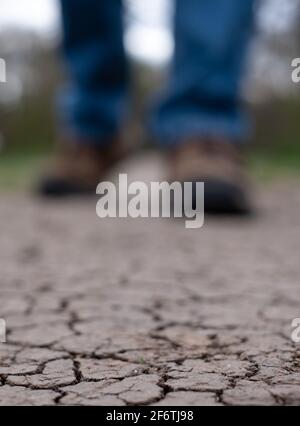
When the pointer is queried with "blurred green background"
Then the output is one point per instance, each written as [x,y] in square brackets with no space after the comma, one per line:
[27,113]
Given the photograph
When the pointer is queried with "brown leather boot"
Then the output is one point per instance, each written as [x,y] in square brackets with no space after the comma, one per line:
[78,168]
[220,165]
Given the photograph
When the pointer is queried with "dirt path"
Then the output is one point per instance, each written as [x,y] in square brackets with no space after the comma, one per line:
[146,312]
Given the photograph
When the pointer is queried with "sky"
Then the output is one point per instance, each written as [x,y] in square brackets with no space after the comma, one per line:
[149,37]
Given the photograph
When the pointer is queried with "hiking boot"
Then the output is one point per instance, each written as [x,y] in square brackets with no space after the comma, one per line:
[219,164]
[78,168]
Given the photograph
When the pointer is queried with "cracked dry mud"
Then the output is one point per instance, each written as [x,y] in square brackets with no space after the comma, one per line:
[124,312]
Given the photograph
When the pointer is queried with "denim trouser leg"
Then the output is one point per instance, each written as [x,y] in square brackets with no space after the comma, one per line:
[202,98]
[94,102]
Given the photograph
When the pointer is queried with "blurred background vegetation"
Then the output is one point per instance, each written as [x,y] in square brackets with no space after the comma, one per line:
[27,100]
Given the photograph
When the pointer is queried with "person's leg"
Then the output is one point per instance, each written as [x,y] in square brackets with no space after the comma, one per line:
[203,96]
[93,104]
[201,116]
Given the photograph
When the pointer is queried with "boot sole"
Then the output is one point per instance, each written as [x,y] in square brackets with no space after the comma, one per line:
[223,198]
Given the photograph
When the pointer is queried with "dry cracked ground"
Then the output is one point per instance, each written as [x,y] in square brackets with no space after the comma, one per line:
[145,312]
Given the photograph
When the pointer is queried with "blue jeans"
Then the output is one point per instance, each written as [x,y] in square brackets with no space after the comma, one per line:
[203,94]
